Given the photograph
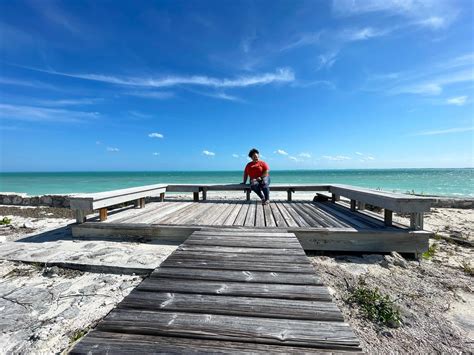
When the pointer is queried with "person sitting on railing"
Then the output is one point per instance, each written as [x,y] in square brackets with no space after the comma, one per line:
[258,170]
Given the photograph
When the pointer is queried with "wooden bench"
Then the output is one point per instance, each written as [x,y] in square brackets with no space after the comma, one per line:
[390,202]
[81,204]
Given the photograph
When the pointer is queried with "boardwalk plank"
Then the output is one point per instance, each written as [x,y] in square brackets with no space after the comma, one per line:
[269,219]
[233,214]
[240,219]
[237,276]
[186,254]
[258,251]
[250,218]
[229,305]
[251,243]
[290,221]
[279,219]
[334,335]
[260,217]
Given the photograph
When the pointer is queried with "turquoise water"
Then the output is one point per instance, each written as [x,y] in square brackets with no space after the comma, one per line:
[450,182]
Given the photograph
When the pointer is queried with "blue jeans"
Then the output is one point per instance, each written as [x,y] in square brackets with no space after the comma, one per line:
[261,188]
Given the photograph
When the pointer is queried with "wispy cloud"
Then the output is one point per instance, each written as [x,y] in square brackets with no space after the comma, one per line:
[361,34]
[158,95]
[112,149]
[235,156]
[155,135]
[27,83]
[444,131]
[305,155]
[336,157]
[293,158]
[155,154]
[68,102]
[281,152]
[327,60]
[139,115]
[458,101]
[281,75]
[301,40]
[42,114]
[208,153]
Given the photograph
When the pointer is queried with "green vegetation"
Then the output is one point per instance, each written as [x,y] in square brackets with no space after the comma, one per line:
[5,221]
[78,334]
[376,307]
[431,252]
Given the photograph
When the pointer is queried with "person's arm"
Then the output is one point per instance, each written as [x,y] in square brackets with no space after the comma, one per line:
[245,177]
[265,171]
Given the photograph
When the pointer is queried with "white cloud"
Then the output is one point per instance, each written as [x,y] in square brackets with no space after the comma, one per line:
[220,95]
[208,153]
[155,154]
[140,115]
[304,39]
[155,135]
[68,102]
[360,34]
[280,75]
[305,155]
[27,83]
[293,158]
[42,114]
[434,22]
[445,131]
[359,153]
[281,152]
[459,100]
[370,158]
[159,95]
[327,60]
[112,149]
[336,157]
[235,156]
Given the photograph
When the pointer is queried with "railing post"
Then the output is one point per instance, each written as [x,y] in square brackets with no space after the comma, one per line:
[103,214]
[335,197]
[142,202]
[162,197]
[416,220]
[353,205]
[288,193]
[388,217]
[80,216]
[247,191]
[360,205]
[204,193]
[196,196]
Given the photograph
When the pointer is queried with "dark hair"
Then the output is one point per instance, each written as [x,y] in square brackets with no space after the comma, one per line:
[252,152]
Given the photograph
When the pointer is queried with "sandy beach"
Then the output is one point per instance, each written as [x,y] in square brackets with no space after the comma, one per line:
[47,308]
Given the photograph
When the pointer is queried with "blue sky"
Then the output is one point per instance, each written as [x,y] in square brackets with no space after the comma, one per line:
[193,85]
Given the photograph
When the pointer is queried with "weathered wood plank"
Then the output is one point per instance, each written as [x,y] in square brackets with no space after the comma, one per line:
[279,220]
[247,242]
[240,219]
[257,251]
[296,216]
[233,214]
[269,220]
[259,217]
[334,335]
[238,265]
[288,278]
[289,220]
[230,305]
[250,218]
[98,342]
[244,233]
[186,254]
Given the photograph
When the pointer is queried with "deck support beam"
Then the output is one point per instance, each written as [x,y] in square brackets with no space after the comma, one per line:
[353,205]
[416,221]
[388,217]
[335,197]
[103,214]
[196,196]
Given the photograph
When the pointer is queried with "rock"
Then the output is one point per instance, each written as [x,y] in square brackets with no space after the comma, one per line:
[395,259]
[51,271]
[28,225]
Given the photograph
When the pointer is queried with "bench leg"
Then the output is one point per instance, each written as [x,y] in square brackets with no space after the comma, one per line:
[248,194]
[360,205]
[204,194]
[416,221]
[289,194]
[142,202]
[80,216]
[196,196]
[353,205]
[103,214]
[162,197]
[388,217]
[335,198]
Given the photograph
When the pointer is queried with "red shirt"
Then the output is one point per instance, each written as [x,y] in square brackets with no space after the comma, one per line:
[255,170]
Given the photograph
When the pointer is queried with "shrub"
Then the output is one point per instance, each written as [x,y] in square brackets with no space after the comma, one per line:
[5,221]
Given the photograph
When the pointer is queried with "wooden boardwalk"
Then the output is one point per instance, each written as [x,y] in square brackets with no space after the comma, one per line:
[227,291]
[278,214]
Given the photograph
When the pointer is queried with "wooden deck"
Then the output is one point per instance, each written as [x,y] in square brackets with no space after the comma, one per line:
[317,225]
[227,291]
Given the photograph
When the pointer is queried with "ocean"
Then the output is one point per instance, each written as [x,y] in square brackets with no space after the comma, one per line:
[445,182]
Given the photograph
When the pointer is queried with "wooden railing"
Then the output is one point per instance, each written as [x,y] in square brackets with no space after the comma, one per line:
[359,197]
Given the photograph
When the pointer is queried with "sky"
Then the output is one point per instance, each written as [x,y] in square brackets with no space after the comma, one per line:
[194,85]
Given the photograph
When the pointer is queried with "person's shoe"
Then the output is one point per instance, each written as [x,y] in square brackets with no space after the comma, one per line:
[267,202]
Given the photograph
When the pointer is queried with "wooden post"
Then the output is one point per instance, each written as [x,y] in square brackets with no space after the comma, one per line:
[162,197]
[142,202]
[204,194]
[103,214]
[335,198]
[416,221]
[388,216]
[353,205]
[136,203]
[196,196]
[248,194]
[289,192]
[80,216]
[360,205]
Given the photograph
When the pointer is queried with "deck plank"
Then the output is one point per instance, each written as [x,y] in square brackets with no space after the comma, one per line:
[289,220]
[250,218]
[240,219]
